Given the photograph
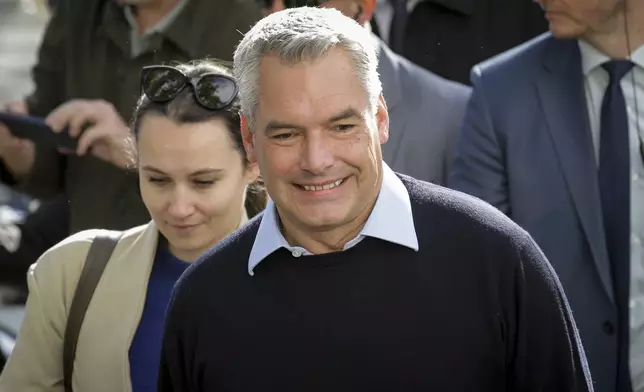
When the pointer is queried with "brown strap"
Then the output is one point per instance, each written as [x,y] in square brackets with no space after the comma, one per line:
[97,258]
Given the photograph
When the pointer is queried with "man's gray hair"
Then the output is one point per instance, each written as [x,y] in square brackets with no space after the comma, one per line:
[303,34]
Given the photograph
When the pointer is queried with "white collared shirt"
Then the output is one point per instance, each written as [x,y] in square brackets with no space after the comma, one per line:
[596,82]
[390,220]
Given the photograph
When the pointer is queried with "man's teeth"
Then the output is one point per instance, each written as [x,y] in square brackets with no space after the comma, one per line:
[322,187]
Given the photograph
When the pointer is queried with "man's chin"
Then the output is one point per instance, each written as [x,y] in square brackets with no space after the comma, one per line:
[565,31]
[317,221]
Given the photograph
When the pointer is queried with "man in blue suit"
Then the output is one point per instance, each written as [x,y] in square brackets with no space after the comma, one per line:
[553,137]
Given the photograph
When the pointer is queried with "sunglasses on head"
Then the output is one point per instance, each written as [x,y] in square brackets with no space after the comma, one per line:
[162,83]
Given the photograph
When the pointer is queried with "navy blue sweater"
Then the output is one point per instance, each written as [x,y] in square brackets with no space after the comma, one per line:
[477,308]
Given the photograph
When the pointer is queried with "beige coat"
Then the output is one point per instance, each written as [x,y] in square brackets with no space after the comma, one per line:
[110,323]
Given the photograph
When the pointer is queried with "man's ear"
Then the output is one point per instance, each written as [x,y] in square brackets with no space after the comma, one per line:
[248,140]
[382,120]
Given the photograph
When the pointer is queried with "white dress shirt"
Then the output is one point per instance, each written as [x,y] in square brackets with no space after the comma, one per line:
[390,220]
[596,83]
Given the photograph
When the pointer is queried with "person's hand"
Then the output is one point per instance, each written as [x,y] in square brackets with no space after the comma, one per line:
[106,136]
[18,155]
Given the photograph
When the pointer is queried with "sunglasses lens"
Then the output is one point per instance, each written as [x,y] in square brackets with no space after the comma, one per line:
[162,84]
[215,92]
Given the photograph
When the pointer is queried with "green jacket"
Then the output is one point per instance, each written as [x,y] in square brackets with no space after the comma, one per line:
[85,54]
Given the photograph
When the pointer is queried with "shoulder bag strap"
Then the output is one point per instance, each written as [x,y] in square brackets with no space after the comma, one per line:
[99,254]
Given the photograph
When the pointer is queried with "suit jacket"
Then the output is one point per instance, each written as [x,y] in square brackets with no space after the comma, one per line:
[111,320]
[526,148]
[425,115]
[449,37]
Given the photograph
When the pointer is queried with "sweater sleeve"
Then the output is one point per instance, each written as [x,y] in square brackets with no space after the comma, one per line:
[173,368]
[546,353]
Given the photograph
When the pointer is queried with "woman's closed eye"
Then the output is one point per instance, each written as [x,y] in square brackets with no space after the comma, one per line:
[204,183]
[199,183]
[158,180]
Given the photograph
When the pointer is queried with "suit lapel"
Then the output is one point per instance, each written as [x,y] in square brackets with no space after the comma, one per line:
[392,90]
[561,92]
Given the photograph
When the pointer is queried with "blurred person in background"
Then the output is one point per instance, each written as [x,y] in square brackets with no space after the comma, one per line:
[449,37]
[86,78]
[198,187]
[425,110]
[87,74]
[554,138]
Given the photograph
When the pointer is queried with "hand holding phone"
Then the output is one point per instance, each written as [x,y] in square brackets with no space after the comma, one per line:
[36,130]
[97,126]
[76,127]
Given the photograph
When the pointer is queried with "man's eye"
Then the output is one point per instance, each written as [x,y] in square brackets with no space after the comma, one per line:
[344,127]
[282,136]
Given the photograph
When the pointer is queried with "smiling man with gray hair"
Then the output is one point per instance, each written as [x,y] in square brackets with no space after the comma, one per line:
[356,278]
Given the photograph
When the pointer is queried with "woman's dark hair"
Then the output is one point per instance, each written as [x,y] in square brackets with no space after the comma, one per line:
[184,108]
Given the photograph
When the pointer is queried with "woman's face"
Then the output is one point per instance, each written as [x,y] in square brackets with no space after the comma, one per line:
[193,182]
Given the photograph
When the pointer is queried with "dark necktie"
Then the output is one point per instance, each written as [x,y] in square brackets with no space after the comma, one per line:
[398,25]
[614,186]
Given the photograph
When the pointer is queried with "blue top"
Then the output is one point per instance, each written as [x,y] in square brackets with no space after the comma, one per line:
[145,350]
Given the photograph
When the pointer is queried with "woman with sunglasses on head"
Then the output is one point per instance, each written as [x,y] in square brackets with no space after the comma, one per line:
[198,187]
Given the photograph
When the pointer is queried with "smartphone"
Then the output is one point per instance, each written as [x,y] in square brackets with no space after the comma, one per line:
[36,130]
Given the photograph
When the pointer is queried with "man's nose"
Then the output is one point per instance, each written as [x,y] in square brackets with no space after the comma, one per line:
[317,153]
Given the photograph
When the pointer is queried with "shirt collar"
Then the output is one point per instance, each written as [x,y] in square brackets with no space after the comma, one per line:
[184,26]
[161,25]
[391,220]
[592,58]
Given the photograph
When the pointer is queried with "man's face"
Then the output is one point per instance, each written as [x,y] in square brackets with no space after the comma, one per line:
[578,18]
[317,141]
